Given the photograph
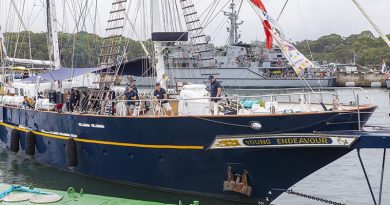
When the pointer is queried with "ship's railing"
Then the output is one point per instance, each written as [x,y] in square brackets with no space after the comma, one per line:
[233,105]
[267,103]
[346,95]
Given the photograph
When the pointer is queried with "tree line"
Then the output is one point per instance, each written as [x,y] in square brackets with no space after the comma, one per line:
[80,49]
[367,49]
[83,49]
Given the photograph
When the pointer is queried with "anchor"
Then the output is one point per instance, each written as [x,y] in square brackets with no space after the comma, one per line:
[237,183]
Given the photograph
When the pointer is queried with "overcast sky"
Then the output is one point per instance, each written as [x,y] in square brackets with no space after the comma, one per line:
[315,18]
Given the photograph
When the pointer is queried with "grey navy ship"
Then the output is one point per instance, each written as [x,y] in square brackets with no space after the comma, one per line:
[238,64]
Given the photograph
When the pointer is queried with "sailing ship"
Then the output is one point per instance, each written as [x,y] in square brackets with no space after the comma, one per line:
[256,146]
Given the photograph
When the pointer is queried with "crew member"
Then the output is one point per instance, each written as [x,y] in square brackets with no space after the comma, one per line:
[71,100]
[215,93]
[134,86]
[131,96]
[27,103]
[160,94]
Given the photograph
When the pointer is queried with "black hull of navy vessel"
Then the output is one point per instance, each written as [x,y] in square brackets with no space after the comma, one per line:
[175,153]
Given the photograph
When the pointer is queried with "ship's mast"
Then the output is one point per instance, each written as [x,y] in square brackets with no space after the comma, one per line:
[158,46]
[380,32]
[52,32]
[3,51]
[234,24]
[6,58]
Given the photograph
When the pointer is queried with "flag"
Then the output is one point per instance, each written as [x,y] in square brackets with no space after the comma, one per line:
[297,60]
[266,24]
[259,4]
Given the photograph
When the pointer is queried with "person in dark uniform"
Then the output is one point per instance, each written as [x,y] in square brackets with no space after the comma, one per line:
[72,100]
[77,98]
[134,87]
[215,92]
[160,94]
[131,95]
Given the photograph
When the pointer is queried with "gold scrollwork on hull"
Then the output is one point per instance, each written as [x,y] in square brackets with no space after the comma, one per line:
[227,143]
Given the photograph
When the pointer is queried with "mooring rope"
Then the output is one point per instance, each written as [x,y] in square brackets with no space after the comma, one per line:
[21,189]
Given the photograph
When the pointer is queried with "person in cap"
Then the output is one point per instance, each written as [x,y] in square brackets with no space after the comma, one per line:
[215,93]
[130,97]
[160,94]
[134,86]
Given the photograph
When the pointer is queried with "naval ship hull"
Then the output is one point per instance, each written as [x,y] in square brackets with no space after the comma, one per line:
[239,78]
[179,154]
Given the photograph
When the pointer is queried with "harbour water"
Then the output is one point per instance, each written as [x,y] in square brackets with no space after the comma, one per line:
[342,181]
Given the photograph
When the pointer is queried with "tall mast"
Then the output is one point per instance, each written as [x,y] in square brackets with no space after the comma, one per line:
[233,30]
[158,46]
[372,22]
[3,49]
[3,53]
[155,15]
[52,32]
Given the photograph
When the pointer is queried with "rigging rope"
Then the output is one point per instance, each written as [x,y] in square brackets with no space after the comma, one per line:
[304,30]
[301,76]
[281,12]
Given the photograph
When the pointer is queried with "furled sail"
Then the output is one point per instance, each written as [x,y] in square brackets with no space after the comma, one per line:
[297,60]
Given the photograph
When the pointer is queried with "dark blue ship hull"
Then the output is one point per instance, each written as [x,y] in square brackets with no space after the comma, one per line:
[173,153]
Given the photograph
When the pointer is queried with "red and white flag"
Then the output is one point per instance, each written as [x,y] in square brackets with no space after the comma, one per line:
[266,24]
[297,60]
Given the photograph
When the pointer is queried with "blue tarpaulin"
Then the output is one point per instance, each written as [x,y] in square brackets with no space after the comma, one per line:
[61,74]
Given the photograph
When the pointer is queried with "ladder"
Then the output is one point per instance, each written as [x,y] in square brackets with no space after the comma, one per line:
[203,51]
[111,57]
[112,48]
